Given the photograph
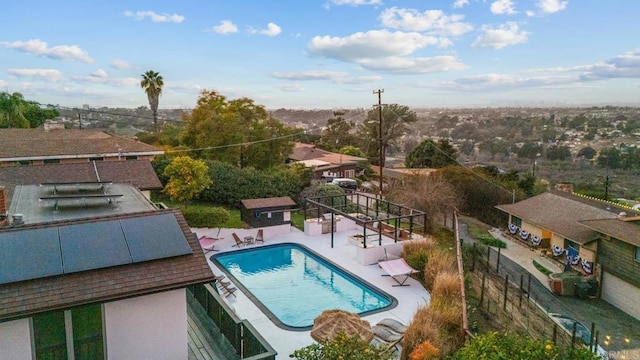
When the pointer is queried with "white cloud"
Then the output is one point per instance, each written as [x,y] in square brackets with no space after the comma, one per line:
[552,6]
[155,17]
[406,65]
[622,66]
[502,36]
[369,45]
[460,3]
[3,83]
[432,21]
[99,73]
[530,13]
[309,75]
[225,27]
[354,2]
[51,75]
[291,87]
[117,82]
[60,52]
[271,30]
[494,81]
[503,7]
[120,64]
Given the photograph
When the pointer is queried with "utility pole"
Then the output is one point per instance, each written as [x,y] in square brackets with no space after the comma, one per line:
[379,105]
[80,120]
[606,188]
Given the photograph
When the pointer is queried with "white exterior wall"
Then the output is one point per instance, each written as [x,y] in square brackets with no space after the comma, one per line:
[15,340]
[147,327]
[621,294]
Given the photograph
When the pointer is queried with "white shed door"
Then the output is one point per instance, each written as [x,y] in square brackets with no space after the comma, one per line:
[621,294]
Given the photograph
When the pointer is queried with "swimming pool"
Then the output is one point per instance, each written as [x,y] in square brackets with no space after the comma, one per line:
[292,285]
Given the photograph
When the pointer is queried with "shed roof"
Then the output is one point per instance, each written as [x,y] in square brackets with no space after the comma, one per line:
[26,298]
[626,231]
[559,214]
[263,203]
[302,152]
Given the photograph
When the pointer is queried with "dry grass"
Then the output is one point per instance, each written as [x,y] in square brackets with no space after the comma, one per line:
[433,325]
[439,260]
[446,287]
[418,246]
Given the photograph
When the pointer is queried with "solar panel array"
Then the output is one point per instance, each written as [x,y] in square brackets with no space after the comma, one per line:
[35,253]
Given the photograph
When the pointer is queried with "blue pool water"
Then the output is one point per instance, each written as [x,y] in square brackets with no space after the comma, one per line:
[293,285]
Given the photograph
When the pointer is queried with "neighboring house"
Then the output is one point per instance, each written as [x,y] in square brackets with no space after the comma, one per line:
[594,236]
[39,146]
[327,165]
[95,271]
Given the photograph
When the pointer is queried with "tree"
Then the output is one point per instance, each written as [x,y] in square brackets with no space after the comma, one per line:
[394,124]
[352,150]
[428,154]
[237,131]
[556,152]
[152,84]
[16,112]
[187,178]
[588,152]
[337,133]
[529,150]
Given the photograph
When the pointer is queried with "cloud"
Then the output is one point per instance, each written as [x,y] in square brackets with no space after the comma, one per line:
[120,64]
[503,7]
[3,83]
[407,65]
[369,45]
[60,52]
[552,6]
[622,66]
[530,13]
[338,77]
[155,17]
[502,36]
[460,3]
[225,27]
[494,81]
[99,74]
[353,2]
[431,21]
[117,82]
[51,75]
[271,30]
[291,87]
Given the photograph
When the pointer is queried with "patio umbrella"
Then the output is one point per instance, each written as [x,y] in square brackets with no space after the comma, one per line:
[331,322]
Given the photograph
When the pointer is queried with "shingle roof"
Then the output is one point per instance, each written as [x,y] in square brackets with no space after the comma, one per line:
[268,202]
[26,298]
[34,143]
[626,231]
[559,214]
[303,151]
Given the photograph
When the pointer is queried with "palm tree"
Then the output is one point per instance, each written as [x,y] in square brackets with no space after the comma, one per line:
[152,84]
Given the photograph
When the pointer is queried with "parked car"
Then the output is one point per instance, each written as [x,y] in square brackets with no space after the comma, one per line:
[582,333]
[349,185]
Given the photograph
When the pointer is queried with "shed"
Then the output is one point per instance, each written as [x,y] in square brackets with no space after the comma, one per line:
[267,211]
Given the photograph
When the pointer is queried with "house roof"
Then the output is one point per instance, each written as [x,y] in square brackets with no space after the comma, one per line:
[34,144]
[268,202]
[302,152]
[626,231]
[559,214]
[139,173]
[26,298]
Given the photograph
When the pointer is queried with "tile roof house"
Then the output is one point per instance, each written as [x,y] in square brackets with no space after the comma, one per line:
[596,237]
[89,286]
[39,146]
[327,165]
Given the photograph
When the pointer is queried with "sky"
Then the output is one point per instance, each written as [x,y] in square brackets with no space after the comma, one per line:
[326,54]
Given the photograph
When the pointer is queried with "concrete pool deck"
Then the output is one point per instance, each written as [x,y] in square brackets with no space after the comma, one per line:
[410,298]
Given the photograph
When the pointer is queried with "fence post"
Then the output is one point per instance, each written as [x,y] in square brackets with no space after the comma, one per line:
[498,262]
[473,258]
[554,337]
[595,343]
[488,257]
[593,330]
[529,287]
[482,290]
[506,288]
[573,337]
[521,282]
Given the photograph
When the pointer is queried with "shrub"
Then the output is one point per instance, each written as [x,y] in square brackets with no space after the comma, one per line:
[518,347]
[439,260]
[425,351]
[342,347]
[429,324]
[416,253]
[491,241]
[205,217]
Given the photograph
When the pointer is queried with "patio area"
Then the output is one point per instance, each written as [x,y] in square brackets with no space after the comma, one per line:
[344,253]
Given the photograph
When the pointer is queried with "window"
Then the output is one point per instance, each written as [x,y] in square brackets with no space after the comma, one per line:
[350,173]
[516,221]
[97,158]
[51,161]
[131,157]
[24,162]
[568,243]
[77,331]
[636,254]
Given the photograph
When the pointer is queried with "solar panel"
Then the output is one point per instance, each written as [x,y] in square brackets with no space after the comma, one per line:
[154,237]
[29,254]
[93,246]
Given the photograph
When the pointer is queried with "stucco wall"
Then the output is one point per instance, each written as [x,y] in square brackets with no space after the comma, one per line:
[15,340]
[147,327]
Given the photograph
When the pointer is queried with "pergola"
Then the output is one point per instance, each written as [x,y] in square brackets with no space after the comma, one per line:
[374,214]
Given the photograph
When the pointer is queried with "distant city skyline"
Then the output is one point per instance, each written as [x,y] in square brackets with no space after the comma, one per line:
[325,54]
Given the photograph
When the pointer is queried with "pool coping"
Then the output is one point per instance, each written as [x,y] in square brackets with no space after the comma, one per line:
[270,315]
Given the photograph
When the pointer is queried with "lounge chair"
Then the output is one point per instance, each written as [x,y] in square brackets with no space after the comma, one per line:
[239,242]
[398,269]
[382,335]
[226,288]
[259,237]
[207,243]
[393,324]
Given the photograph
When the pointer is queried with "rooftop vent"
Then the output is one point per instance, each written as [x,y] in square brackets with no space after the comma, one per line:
[17,220]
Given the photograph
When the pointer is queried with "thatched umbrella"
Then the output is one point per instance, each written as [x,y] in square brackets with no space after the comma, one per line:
[331,322]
